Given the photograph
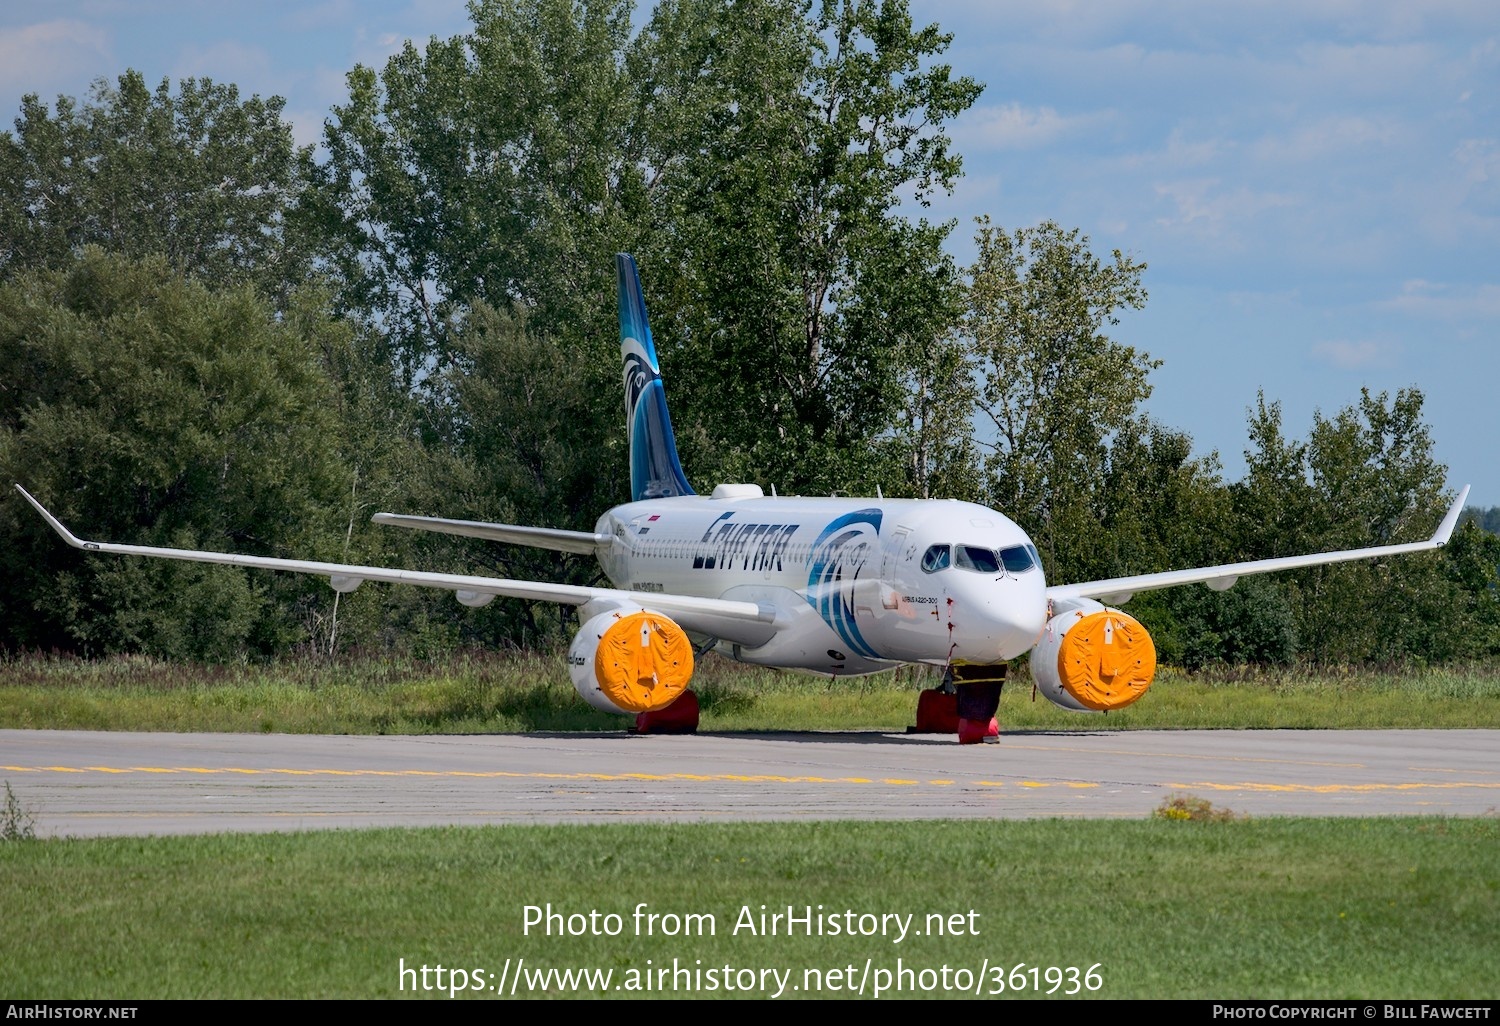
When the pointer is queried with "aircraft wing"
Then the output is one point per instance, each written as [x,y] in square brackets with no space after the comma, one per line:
[746,622]
[584,542]
[1220,578]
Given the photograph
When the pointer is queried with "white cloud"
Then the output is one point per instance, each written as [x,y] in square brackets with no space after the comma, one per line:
[1371,69]
[1226,25]
[228,61]
[327,14]
[1348,355]
[1203,208]
[373,48]
[47,57]
[1454,204]
[388,27]
[1478,160]
[327,87]
[1012,126]
[1326,137]
[307,125]
[1179,153]
[1449,302]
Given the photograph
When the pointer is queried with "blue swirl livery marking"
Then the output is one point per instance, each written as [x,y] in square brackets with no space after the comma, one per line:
[838,556]
[655,471]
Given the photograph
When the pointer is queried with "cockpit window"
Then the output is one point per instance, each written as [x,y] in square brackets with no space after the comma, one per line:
[935,559]
[1017,559]
[972,557]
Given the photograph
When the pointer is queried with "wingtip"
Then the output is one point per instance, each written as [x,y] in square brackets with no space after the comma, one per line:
[56,525]
[1450,520]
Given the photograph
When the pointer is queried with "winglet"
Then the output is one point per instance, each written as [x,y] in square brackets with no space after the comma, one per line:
[1445,529]
[67,535]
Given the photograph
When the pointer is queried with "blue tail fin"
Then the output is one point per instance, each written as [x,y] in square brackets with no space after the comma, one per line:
[654,468]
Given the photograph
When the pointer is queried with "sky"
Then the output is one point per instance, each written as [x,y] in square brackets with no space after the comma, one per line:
[1314,186]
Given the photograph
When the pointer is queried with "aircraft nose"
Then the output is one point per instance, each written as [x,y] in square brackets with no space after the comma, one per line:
[999,618]
[1025,614]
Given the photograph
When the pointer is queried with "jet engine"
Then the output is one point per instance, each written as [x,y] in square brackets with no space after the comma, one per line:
[1093,659]
[630,660]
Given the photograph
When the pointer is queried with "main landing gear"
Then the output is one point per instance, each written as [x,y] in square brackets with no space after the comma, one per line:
[964,704]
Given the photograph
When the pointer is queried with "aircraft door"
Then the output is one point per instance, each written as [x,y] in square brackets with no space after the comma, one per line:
[890,571]
[886,591]
[632,533]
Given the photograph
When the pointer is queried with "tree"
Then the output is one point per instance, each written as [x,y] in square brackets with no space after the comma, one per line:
[1484,519]
[476,191]
[1054,388]
[1275,502]
[780,141]
[1194,627]
[1472,564]
[145,408]
[1365,476]
[1159,507]
[491,166]
[201,177]
[752,155]
[935,439]
[1377,482]
[1373,467]
[536,456]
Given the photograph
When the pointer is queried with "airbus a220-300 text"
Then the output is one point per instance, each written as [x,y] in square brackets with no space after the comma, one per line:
[836,586]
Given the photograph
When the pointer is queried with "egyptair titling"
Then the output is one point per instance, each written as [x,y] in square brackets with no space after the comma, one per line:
[835,586]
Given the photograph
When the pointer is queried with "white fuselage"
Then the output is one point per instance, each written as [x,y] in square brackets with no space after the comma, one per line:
[858,585]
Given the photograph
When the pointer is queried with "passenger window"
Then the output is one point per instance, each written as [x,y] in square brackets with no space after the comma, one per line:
[935,559]
[972,557]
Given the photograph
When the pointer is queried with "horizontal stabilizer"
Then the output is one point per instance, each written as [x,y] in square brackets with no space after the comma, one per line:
[584,542]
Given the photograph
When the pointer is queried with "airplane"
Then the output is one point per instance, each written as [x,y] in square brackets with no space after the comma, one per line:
[832,586]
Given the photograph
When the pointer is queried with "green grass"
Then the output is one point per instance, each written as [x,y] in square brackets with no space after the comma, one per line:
[1189,903]
[1165,908]
[500,693]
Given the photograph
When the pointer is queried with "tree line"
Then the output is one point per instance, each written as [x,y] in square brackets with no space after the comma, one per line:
[213,338]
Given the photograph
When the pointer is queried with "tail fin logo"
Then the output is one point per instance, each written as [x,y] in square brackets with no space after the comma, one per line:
[655,471]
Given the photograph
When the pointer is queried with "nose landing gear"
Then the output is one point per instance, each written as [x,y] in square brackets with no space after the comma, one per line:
[964,704]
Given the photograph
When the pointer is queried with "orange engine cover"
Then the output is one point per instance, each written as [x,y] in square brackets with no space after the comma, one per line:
[630,661]
[1094,661]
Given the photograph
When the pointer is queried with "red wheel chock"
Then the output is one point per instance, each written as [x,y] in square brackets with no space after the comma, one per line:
[681,717]
[937,713]
[973,732]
